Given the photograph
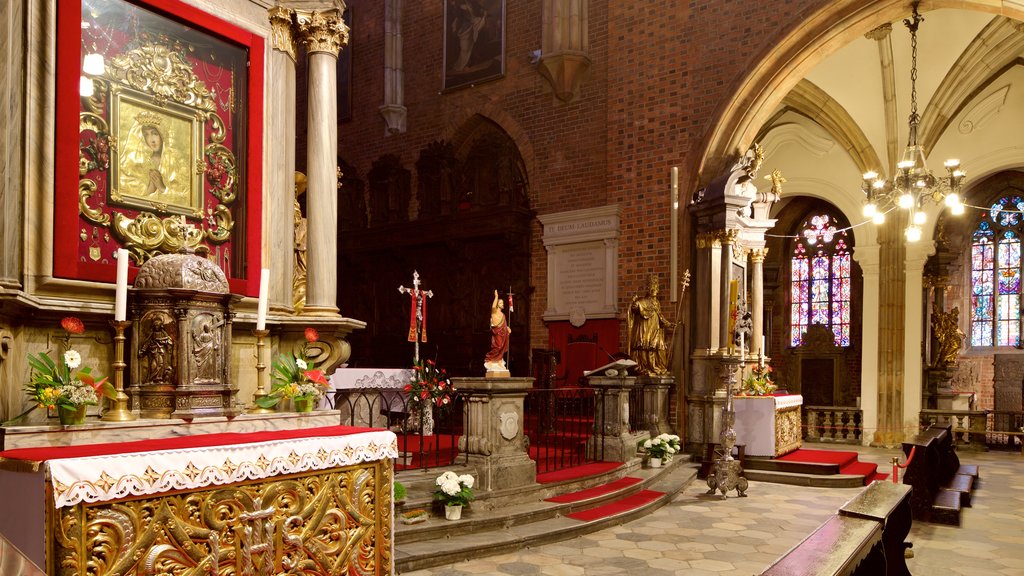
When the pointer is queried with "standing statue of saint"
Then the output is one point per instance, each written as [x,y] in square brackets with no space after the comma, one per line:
[645,328]
[494,361]
[946,328]
[299,222]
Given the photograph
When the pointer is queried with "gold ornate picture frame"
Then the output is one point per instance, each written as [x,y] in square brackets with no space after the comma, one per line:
[156,163]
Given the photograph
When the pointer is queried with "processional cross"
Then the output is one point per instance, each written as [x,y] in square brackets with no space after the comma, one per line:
[417,313]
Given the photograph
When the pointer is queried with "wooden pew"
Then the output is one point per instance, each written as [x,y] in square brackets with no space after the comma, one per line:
[942,486]
[865,538]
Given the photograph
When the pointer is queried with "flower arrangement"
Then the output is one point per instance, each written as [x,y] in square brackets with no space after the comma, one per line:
[454,490]
[430,385]
[662,446]
[759,382]
[294,377]
[64,382]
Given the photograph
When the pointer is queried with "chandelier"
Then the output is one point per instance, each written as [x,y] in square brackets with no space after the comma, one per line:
[913,183]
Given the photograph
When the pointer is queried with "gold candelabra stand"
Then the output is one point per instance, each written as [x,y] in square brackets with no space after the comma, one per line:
[261,392]
[119,412]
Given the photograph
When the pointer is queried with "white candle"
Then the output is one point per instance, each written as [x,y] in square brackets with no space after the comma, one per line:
[261,307]
[121,292]
[742,355]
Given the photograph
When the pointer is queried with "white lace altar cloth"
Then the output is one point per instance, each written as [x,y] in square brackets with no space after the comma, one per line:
[114,476]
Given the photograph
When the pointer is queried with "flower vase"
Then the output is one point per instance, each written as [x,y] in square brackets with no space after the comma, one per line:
[453,512]
[304,404]
[71,416]
[655,462]
[428,420]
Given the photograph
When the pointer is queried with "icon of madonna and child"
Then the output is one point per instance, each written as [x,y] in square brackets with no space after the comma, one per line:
[155,157]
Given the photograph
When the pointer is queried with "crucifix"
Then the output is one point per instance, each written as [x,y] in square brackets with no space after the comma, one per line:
[417,313]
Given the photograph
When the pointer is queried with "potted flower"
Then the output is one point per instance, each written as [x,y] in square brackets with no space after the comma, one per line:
[430,388]
[64,384]
[759,382]
[661,448]
[293,377]
[455,492]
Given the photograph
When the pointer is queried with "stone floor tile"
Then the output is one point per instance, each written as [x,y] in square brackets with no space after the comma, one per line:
[712,565]
[562,570]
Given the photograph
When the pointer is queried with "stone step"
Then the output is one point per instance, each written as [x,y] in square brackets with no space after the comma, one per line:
[511,522]
[798,479]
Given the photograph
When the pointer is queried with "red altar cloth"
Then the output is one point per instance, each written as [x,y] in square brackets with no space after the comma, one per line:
[182,442]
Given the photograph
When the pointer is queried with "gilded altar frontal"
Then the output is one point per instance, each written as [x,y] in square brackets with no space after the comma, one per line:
[334,522]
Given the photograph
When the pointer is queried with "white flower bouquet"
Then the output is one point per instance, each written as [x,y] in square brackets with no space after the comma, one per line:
[662,446]
[454,490]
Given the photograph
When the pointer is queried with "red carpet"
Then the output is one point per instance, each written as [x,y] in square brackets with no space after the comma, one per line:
[592,469]
[618,507]
[847,462]
[596,491]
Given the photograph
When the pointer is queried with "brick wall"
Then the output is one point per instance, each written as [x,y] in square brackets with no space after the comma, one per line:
[661,73]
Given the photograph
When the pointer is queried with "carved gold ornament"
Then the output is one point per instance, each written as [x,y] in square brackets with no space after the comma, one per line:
[154,86]
[162,72]
[281,37]
[333,522]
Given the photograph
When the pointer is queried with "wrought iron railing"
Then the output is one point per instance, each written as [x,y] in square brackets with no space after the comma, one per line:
[559,423]
[840,424]
[421,445]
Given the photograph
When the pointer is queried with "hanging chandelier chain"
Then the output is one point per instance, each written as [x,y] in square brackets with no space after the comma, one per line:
[912,23]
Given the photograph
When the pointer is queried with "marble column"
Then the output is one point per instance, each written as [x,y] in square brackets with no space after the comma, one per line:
[281,178]
[323,34]
[728,238]
[913,366]
[705,291]
[867,256]
[757,257]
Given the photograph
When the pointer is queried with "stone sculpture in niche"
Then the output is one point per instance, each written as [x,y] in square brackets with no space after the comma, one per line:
[156,352]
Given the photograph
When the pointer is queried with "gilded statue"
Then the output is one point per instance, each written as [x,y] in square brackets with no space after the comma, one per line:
[494,361]
[299,273]
[645,326]
[946,329]
[150,166]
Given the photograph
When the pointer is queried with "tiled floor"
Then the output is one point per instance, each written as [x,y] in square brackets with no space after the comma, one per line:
[701,535]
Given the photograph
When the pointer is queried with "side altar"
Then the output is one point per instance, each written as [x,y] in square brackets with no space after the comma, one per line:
[312,501]
[768,425]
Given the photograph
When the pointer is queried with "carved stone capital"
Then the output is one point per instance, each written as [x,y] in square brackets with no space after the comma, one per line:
[707,240]
[880,33]
[565,71]
[728,236]
[281,37]
[322,32]
[758,255]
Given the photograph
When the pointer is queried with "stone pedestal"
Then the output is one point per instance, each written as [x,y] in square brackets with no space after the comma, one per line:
[612,433]
[940,390]
[705,399]
[494,435]
[655,396]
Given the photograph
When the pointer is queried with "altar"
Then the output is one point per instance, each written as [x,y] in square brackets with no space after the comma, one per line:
[316,500]
[768,425]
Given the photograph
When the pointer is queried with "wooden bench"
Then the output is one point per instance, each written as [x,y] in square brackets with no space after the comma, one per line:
[865,538]
[942,486]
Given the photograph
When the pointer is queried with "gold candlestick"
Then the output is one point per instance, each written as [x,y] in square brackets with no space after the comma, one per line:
[119,411]
[261,392]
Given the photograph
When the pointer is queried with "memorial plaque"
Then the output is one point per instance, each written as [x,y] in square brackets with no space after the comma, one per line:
[582,259]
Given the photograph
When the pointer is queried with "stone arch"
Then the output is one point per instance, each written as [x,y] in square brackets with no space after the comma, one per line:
[463,121]
[786,62]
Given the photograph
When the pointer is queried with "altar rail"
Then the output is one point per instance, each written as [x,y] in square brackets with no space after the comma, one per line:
[420,445]
[839,424]
[979,429]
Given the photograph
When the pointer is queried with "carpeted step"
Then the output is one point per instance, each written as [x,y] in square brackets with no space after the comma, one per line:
[596,491]
[865,469]
[622,506]
[841,458]
[576,472]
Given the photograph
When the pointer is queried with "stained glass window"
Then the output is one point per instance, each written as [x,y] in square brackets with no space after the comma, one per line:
[996,275]
[820,280]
